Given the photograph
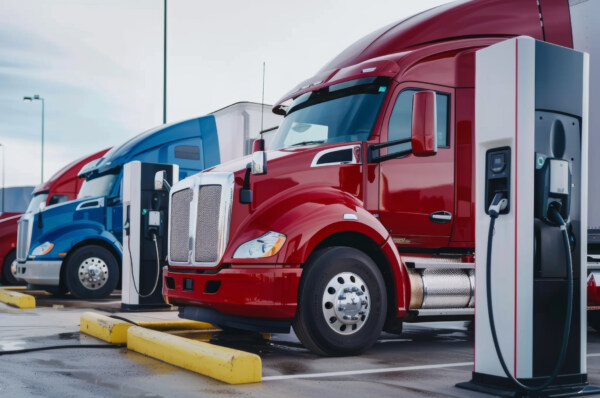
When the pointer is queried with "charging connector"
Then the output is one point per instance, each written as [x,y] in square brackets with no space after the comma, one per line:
[499,203]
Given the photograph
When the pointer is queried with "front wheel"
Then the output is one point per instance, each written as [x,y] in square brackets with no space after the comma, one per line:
[92,272]
[342,302]
[9,269]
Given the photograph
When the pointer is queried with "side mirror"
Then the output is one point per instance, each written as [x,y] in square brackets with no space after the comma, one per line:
[424,126]
[258,145]
[259,163]
[160,181]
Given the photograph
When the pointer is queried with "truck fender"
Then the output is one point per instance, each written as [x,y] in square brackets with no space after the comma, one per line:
[335,212]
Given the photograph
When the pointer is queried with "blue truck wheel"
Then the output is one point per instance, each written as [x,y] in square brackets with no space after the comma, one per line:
[92,272]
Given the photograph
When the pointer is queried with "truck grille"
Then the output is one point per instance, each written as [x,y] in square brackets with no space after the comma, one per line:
[180,225]
[23,239]
[207,223]
[199,224]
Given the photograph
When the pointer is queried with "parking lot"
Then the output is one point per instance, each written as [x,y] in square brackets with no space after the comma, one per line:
[427,360]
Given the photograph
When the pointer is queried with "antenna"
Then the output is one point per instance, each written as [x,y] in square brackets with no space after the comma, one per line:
[262,104]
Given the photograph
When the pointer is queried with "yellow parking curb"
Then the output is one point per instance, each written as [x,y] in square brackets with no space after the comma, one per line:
[177,325]
[23,301]
[103,327]
[221,363]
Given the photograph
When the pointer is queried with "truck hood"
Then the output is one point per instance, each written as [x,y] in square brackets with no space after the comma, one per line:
[60,215]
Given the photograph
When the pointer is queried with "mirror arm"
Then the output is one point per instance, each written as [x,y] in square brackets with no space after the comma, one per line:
[390,143]
[245,192]
[166,186]
[375,147]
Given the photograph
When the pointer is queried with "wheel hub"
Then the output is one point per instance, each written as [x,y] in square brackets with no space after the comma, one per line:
[346,303]
[93,273]
[13,268]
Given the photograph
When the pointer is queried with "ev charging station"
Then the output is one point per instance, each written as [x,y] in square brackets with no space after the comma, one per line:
[531,134]
[145,213]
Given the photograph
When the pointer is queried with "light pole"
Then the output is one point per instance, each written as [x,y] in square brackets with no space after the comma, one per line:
[165,64]
[3,168]
[38,98]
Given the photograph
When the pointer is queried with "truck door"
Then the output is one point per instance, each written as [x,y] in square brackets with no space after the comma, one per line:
[416,198]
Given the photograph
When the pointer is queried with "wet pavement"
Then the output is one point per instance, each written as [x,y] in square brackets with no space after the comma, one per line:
[426,360]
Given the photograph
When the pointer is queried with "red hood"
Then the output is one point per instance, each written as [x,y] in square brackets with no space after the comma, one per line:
[7,217]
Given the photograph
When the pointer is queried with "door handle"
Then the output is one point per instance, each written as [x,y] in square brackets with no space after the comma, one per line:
[441,217]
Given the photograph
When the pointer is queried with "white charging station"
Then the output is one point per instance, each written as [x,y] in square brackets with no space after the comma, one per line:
[531,135]
[145,212]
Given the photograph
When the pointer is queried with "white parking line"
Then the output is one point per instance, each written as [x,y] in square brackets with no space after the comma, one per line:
[372,371]
[367,371]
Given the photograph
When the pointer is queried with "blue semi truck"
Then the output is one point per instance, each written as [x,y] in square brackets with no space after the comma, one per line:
[76,246]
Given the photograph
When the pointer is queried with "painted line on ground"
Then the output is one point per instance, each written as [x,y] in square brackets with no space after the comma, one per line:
[374,371]
[368,371]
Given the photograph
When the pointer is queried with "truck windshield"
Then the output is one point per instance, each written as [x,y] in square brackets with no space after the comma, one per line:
[97,186]
[339,113]
[38,202]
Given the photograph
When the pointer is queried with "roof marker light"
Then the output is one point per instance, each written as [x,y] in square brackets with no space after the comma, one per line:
[367,70]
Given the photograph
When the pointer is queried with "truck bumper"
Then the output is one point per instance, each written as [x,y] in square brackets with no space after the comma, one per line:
[263,293]
[40,272]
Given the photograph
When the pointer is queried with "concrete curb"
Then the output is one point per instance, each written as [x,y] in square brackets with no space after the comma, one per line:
[14,298]
[104,327]
[221,363]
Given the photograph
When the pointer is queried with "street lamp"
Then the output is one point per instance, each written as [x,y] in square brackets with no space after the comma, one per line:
[38,98]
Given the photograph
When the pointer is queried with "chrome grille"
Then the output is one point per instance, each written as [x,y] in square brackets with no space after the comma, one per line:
[207,224]
[200,211]
[23,239]
[180,225]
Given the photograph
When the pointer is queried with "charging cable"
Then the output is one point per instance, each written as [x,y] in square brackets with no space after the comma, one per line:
[498,204]
[157,269]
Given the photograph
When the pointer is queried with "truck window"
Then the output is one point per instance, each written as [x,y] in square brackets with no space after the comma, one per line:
[342,112]
[400,124]
[55,199]
[191,152]
[37,202]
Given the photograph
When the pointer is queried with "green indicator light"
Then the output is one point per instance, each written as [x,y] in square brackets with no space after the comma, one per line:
[382,89]
[144,212]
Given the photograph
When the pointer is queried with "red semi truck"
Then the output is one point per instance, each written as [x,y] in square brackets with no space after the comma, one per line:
[61,187]
[359,220]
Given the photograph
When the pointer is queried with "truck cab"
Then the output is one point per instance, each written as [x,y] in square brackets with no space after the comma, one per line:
[61,187]
[360,216]
[76,245]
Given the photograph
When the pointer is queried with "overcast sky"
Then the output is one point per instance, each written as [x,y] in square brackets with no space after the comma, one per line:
[98,64]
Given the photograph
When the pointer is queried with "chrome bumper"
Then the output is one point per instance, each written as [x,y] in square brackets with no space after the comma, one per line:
[40,272]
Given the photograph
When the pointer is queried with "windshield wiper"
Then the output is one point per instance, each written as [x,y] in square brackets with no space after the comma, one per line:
[308,142]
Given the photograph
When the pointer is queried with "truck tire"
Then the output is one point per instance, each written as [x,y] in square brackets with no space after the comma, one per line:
[92,272]
[594,320]
[8,277]
[341,302]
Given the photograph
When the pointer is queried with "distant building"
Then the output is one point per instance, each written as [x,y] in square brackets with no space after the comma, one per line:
[17,199]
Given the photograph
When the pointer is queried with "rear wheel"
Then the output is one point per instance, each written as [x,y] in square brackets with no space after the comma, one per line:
[342,302]
[594,320]
[9,270]
[92,272]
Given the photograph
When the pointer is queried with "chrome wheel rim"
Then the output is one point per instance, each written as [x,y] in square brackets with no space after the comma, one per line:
[346,303]
[93,273]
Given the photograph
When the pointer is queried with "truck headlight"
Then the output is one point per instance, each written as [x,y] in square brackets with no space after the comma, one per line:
[42,249]
[266,245]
